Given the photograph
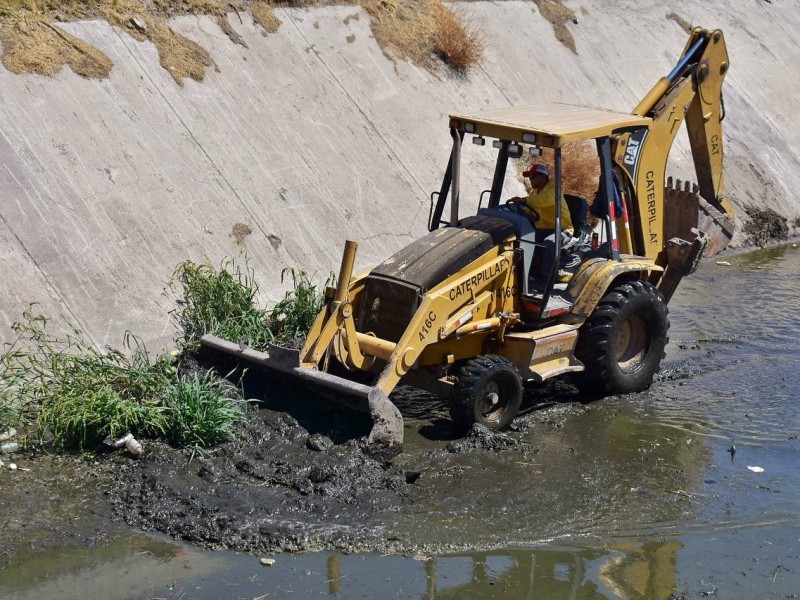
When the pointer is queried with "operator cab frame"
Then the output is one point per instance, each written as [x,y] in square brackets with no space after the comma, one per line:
[549,125]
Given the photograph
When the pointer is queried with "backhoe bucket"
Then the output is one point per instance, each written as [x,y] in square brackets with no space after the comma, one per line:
[387,422]
[688,211]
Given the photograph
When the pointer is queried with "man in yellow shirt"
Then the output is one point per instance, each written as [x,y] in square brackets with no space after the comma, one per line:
[540,207]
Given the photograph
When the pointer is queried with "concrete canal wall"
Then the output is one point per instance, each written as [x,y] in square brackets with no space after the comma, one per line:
[313,135]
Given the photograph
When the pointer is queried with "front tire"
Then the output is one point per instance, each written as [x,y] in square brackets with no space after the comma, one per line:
[488,391]
[622,343]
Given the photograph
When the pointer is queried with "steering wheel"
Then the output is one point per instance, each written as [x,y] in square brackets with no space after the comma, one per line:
[514,206]
[517,207]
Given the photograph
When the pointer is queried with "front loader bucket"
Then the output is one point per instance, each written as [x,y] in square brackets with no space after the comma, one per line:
[387,422]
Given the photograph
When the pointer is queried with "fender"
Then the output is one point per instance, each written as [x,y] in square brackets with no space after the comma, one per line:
[597,275]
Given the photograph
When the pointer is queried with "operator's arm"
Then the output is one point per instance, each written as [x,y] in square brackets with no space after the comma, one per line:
[566,218]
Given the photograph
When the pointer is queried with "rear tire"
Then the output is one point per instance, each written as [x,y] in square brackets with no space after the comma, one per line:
[622,343]
[488,391]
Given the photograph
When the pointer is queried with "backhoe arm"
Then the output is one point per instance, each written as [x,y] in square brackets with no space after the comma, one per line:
[704,123]
[692,92]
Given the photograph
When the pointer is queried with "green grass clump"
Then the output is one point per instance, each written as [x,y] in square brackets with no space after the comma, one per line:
[78,395]
[292,318]
[86,418]
[203,411]
[220,302]
[10,414]
[75,395]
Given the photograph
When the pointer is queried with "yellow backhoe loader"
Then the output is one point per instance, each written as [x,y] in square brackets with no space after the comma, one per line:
[471,312]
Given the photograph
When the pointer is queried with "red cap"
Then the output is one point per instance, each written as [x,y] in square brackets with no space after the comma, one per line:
[543,169]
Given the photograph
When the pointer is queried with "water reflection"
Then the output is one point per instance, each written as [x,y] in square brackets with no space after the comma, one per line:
[634,570]
[125,565]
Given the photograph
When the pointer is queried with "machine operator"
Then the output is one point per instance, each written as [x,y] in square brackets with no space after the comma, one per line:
[539,206]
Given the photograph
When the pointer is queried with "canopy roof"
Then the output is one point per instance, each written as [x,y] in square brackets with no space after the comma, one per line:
[553,123]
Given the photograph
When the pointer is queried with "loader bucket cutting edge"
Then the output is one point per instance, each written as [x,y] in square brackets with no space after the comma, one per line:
[387,422]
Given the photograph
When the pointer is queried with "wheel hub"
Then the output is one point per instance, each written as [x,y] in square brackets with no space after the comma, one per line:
[632,342]
[491,406]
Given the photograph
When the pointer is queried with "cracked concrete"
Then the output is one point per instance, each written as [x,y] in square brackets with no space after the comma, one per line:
[106,185]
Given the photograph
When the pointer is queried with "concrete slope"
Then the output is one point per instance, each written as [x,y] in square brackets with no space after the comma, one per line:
[312,135]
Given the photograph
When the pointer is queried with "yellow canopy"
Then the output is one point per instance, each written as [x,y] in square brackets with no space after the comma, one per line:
[553,123]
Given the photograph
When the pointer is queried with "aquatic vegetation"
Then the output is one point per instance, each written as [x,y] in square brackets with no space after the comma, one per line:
[221,302]
[75,395]
[291,319]
[204,410]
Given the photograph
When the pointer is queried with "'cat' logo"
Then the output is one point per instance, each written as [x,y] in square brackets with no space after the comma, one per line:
[632,152]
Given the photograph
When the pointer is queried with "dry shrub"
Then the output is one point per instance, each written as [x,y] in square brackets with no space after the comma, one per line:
[404,27]
[263,15]
[579,164]
[31,45]
[240,231]
[179,55]
[558,15]
[459,40]
[419,30]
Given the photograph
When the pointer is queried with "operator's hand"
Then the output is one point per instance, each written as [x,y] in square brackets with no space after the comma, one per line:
[515,200]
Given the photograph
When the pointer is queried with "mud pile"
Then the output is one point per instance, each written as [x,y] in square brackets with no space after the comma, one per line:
[283,485]
[276,487]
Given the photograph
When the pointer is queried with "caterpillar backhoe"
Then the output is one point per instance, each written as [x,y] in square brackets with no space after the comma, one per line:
[471,312]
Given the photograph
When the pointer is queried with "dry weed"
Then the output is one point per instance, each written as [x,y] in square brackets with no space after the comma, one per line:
[179,55]
[417,30]
[31,45]
[558,15]
[169,8]
[404,28]
[459,39]
[579,165]
[240,231]
[264,15]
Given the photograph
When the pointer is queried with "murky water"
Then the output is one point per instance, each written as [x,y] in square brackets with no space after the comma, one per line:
[634,497]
